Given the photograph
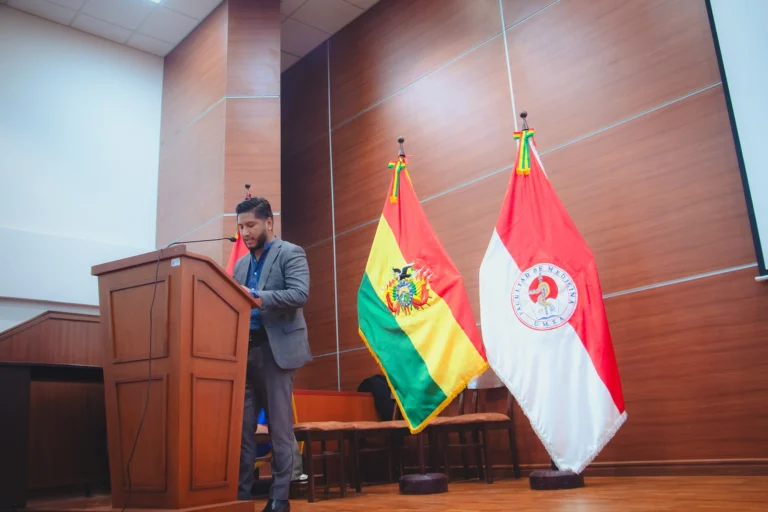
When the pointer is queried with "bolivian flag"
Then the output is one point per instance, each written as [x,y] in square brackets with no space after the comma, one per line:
[413,310]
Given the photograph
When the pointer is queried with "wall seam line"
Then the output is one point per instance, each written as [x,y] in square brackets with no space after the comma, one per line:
[504,30]
[336,353]
[333,214]
[417,80]
[509,68]
[192,122]
[542,153]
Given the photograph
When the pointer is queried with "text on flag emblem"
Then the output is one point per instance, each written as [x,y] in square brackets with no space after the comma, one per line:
[544,297]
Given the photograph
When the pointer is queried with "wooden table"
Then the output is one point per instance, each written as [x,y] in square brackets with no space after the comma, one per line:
[15,383]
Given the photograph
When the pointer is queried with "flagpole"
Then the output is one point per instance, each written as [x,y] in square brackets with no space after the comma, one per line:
[423,482]
[550,479]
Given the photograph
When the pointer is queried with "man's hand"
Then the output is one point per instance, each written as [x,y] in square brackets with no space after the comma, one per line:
[248,291]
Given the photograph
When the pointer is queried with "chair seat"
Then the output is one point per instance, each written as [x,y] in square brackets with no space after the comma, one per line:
[379,425]
[463,419]
[324,426]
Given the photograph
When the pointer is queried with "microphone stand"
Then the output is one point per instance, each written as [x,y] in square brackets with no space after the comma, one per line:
[230,238]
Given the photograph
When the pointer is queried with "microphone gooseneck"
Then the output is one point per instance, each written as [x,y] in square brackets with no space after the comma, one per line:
[230,238]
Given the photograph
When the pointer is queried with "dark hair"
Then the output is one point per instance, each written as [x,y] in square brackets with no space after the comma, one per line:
[258,205]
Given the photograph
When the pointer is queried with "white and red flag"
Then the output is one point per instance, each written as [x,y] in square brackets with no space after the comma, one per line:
[543,319]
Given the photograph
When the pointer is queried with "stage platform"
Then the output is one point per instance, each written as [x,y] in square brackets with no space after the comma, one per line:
[600,494]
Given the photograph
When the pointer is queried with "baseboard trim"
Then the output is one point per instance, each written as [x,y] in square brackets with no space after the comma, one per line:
[694,467]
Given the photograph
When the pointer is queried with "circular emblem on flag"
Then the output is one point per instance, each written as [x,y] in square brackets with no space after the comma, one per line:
[544,297]
[408,290]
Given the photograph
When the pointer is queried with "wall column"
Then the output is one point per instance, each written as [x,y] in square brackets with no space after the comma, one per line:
[220,124]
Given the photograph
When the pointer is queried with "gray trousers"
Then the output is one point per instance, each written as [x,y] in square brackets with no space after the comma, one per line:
[270,387]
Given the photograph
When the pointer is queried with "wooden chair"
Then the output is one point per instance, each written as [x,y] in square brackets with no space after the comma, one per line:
[462,425]
[429,445]
[390,431]
[478,425]
[324,431]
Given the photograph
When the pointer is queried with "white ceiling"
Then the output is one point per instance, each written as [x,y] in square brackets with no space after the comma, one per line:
[158,27]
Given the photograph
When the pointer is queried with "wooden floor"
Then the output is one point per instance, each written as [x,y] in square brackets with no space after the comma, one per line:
[601,494]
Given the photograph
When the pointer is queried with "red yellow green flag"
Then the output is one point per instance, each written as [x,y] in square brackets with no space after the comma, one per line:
[238,251]
[413,310]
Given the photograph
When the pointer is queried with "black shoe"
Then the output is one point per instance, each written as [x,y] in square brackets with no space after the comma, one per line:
[277,506]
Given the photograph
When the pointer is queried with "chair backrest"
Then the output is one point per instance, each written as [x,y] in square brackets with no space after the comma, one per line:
[396,414]
[487,380]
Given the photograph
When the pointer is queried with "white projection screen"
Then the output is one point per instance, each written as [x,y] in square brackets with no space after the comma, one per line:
[740,33]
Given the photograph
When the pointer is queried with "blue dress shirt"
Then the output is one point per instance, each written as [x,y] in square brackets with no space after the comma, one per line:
[254,272]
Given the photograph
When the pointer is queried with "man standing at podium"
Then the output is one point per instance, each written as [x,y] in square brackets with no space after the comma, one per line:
[276,274]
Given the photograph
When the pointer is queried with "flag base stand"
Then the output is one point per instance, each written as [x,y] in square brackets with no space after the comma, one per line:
[428,483]
[423,483]
[554,479]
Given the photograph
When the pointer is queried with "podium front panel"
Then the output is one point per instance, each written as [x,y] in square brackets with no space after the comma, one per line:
[188,451]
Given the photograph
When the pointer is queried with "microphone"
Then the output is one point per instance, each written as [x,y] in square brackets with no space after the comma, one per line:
[230,238]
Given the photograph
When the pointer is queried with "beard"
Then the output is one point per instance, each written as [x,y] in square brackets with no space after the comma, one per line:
[260,242]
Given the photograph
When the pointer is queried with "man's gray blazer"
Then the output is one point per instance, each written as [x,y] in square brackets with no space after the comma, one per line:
[284,289]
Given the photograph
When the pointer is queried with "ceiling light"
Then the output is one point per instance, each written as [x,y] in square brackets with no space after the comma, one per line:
[155,1]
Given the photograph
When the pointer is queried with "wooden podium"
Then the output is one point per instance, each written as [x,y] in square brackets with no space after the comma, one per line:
[188,451]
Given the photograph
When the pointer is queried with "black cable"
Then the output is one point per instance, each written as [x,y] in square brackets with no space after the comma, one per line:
[149,383]
[230,238]
[149,361]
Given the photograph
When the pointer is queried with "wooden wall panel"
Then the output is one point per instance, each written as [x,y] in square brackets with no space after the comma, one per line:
[657,197]
[253,48]
[320,310]
[320,373]
[218,227]
[68,435]
[694,377]
[306,194]
[666,207]
[190,188]
[252,150]
[220,123]
[314,405]
[351,256]
[304,101]
[54,337]
[457,124]
[355,367]
[516,11]
[194,74]
[398,41]
[686,182]
[67,438]
[465,231]
[584,64]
